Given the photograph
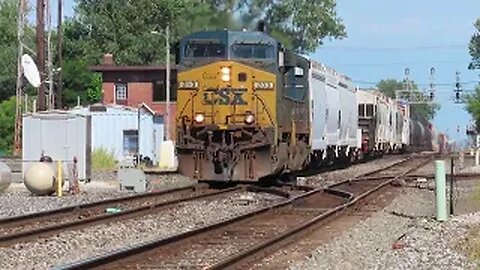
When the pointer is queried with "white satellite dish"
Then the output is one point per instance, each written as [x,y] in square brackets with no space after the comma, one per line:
[30,71]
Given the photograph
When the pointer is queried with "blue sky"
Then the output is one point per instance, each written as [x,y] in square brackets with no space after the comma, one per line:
[385,37]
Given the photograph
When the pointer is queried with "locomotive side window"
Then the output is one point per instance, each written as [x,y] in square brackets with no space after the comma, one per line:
[205,48]
[253,51]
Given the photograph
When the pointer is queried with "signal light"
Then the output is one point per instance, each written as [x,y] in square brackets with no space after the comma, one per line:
[457,95]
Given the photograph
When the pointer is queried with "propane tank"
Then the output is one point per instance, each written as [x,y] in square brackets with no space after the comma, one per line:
[39,178]
[5,176]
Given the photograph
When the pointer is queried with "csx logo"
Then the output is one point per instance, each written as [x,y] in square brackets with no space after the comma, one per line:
[224,96]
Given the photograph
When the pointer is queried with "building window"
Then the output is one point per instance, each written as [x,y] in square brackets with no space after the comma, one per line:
[159,93]
[121,92]
[130,142]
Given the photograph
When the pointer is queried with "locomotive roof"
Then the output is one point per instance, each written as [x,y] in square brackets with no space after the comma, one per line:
[230,37]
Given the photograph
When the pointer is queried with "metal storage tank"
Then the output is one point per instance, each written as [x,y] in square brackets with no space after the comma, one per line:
[116,129]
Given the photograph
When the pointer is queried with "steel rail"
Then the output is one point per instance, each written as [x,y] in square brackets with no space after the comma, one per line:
[347,199]
[236,260]
[22,219]
[24,235]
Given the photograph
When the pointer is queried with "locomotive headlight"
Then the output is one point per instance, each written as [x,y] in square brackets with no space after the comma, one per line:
[263,85]
[199,118]
[249,118]
[225,74]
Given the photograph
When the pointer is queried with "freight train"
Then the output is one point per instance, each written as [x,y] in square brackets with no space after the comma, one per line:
[248,108]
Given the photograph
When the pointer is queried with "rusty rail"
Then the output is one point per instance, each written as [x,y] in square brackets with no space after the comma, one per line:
[334,200]
[13,235]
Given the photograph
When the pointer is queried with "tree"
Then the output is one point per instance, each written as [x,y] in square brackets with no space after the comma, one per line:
[305,22]
[473,107]
[473,101]
[7,125]
[421,111]
[474,47]
[8,48]
[301,25]
[124,27]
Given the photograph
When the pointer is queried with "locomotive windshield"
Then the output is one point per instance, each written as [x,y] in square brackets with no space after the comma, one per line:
[205,48]
[255,51]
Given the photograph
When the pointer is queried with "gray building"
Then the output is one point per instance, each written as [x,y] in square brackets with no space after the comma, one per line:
[120,130]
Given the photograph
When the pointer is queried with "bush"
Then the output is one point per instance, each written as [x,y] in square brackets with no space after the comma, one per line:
[102,160]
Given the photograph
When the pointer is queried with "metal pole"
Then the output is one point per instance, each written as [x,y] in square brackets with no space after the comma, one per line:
[59,53]
[41,52]
[440,193]
[167,78]
[451,184]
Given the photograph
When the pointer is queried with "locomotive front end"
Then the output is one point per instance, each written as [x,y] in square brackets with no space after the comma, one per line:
[226,100]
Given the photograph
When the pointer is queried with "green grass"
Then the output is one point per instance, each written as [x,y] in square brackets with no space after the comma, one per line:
[103,160]
[470,246]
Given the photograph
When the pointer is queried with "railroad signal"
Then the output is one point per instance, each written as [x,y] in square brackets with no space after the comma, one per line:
[458,88]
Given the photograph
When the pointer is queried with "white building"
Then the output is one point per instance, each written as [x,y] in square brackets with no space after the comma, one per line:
[122,131]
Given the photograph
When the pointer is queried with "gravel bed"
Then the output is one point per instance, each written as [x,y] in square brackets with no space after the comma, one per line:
[17,200]
[329,178]
[412,240]
[72,246]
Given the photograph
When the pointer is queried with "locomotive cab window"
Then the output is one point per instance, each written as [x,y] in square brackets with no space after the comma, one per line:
[205,48]
[252,51]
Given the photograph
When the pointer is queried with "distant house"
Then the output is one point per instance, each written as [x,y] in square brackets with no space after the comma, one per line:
[134,85]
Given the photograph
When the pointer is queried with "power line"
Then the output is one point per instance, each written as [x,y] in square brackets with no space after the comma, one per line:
[427,47]
[401,63]
[420,84]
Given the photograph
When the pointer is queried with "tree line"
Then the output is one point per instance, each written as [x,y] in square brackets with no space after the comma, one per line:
[123,28]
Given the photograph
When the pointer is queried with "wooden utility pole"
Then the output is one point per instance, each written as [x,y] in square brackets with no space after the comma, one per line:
[41,52]
[22,7]
[49,65]
[60,56]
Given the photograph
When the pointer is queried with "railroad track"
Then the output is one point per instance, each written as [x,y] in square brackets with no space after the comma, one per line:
[43,224]
[238,242]
[415,162]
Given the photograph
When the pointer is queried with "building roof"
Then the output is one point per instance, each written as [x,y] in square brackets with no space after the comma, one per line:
[107,68]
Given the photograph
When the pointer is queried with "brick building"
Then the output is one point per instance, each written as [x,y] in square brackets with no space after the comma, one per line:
[132,85]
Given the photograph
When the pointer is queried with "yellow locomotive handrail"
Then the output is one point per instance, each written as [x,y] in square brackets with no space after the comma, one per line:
[264,107]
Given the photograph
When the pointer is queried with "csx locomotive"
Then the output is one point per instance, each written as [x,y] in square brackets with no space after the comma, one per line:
[247,108]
